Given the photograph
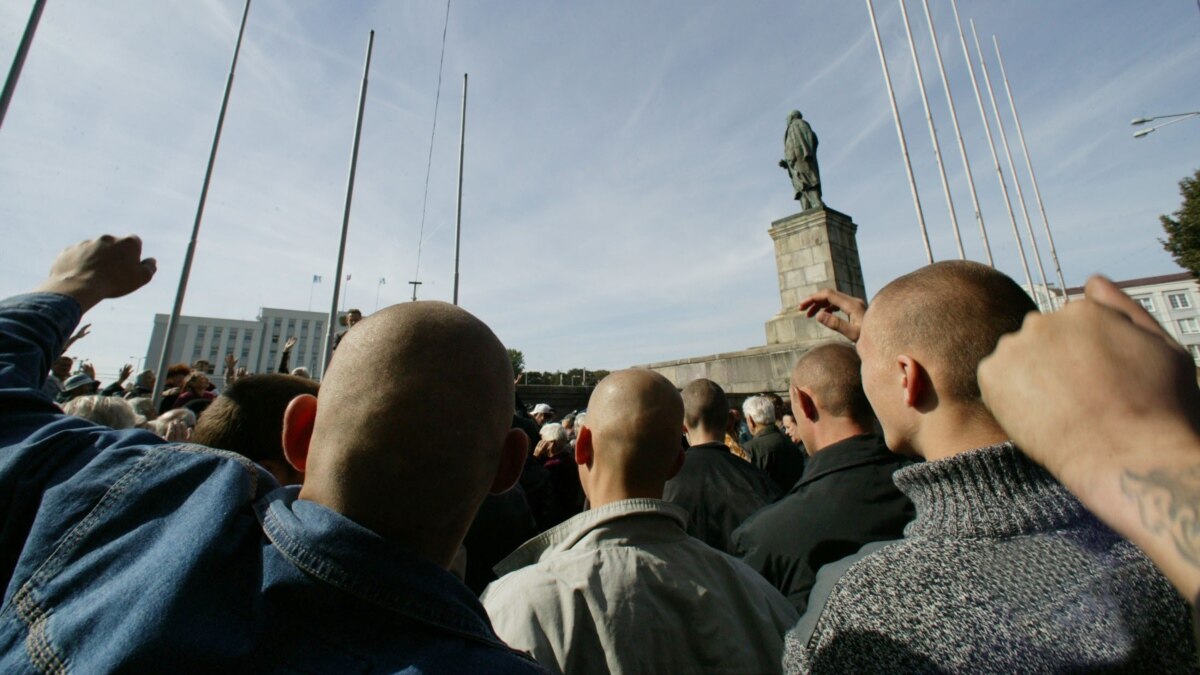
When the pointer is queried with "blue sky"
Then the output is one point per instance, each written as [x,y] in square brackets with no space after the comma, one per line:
[621,156]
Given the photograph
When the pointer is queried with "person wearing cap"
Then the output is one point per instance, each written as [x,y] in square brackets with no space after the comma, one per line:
[79,384]
[542,413]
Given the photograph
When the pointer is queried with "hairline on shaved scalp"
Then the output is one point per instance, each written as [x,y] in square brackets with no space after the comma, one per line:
[950,315]
[833,373]
[705,405]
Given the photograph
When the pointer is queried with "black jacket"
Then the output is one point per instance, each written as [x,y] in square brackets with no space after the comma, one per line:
[719,491]
[845,499]
[776,454]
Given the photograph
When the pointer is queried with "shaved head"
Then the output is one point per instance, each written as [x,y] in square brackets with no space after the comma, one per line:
[633,417]
[833,373]
[375,448]
[948,315]
[705,406]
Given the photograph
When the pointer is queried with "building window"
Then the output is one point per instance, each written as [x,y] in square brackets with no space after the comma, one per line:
[1189,326]
[1147,302]
[1194,350]
[1179,300]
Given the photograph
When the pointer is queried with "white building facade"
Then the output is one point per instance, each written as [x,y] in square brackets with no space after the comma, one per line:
[257,345]
[1172,299]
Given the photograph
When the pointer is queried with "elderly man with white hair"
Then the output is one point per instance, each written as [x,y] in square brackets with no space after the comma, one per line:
[769,449]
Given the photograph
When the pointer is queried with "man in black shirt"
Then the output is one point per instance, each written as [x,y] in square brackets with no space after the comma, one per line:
[717,489]
[845,498]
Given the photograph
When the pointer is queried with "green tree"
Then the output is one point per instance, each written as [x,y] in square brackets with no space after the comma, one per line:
[518,361]
[1183,231]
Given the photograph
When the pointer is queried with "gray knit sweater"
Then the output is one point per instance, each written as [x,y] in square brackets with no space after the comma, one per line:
[1003,570]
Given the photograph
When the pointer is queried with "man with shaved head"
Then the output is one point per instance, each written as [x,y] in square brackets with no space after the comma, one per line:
[845,498]
[622,587]
[1003,570]
[717,489]
[120,552]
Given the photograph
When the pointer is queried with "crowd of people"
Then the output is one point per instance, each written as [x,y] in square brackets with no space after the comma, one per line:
[956,483]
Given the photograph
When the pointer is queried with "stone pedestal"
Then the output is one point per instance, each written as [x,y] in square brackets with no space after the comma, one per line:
[814,249]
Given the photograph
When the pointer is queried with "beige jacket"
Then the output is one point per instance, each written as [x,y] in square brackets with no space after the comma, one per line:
[624,589]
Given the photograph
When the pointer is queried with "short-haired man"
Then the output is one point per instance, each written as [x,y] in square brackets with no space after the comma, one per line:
[353,316]
[769,449]
[122,553]
[247,418]
[845,498]
[1002,570]
[623,588]
[718,490]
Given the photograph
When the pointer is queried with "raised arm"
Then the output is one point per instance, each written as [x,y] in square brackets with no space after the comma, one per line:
[1108,403]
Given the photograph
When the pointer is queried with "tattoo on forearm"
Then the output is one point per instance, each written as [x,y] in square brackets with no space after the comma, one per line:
[1169,503]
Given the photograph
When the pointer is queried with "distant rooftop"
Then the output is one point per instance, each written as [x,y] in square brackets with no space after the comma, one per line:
[1142,281]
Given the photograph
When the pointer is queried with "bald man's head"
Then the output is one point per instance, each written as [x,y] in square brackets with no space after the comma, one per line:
[833,374]
[949,316]
[374,439]
[633,418]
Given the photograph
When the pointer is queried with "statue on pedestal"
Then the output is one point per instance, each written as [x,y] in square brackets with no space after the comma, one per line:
[800,160]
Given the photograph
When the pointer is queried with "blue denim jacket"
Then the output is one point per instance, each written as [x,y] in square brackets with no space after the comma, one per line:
[119,551]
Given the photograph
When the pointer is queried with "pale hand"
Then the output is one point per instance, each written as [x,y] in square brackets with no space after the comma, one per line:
[291,342]
[98,269]
[126,371]
[822,305]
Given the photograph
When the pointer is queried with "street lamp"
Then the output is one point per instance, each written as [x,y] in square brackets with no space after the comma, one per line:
[1178,117]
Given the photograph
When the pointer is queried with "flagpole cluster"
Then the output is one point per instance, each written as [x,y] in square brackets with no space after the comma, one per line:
[1043,297]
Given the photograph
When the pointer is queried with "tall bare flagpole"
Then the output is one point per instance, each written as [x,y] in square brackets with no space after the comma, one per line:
[962,147]
[912,182]
[1032,177]
[462,146]
[14,72]
[937,148]
[1012,170]
[169,338]
[331,322]
[987,128]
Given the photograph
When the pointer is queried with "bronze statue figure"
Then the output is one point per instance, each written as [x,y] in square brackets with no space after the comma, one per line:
[800,160]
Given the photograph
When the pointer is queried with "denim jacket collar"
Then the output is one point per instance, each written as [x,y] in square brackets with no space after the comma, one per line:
[327,546]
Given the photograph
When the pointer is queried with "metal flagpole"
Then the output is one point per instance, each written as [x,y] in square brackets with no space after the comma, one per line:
[331,323]
[14,72]
[1032,177]
[962,148]
[462,145]
[987,128]
[937,148]
[1012,170]
[169,338]
[912,182]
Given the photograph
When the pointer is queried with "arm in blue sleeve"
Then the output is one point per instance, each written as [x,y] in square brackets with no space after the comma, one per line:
[33,328]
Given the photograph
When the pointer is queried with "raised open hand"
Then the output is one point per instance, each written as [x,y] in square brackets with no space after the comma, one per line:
[291,342]
[822,305]
[126,371]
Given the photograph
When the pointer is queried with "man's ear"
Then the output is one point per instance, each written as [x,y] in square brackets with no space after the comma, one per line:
[512,461]
[677,464]
[583,446]
[913,379]
[802,401]
[298,422]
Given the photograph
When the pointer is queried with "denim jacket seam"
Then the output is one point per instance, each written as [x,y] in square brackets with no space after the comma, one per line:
[333,574]
[31,612]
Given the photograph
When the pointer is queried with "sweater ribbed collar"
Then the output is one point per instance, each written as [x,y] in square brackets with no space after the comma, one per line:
[994,491]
